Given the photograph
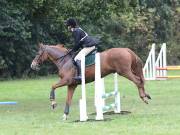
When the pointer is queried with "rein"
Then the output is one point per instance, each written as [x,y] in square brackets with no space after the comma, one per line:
[62,57]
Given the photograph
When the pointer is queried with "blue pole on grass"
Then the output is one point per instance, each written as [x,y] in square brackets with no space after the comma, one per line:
[8,103]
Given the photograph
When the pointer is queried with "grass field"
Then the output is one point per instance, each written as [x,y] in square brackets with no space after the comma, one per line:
[33,116]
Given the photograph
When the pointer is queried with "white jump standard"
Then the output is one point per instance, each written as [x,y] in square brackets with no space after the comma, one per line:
[100,94]
[150,70]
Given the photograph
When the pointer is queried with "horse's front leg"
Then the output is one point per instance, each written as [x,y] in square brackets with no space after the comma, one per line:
[61,83]
[70,93]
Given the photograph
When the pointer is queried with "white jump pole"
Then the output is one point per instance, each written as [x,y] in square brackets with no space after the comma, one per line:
[149,68]
[98,88]
[164,59]
[161,63]
[82,101]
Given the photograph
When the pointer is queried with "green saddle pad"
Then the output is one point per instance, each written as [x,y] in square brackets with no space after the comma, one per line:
[90,58]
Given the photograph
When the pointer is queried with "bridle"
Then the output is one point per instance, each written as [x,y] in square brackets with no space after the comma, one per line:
[39,61]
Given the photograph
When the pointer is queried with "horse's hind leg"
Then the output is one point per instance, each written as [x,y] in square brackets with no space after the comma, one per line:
[138,82]
[139,75]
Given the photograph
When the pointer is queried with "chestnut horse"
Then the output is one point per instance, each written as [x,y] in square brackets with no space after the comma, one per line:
[121,60]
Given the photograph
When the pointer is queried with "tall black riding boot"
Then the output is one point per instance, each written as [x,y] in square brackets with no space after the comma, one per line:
[78,65]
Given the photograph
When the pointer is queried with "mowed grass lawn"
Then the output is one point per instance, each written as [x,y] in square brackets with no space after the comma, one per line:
[33,116]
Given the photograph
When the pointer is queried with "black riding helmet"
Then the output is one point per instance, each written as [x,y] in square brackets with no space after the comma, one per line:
[71,22]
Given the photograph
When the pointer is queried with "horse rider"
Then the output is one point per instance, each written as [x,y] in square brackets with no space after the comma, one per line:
[82,41]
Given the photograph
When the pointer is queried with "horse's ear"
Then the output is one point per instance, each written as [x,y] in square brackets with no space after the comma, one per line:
[60,45]
[40,45]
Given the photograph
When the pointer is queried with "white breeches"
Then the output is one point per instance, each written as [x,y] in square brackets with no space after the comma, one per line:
[85,51]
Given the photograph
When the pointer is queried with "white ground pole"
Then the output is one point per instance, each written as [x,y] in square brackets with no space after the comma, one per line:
[100,94]
[161,63]
[82,101]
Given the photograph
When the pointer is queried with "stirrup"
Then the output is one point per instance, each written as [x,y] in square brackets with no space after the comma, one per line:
[78,78]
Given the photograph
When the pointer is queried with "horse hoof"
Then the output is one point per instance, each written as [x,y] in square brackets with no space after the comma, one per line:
[64,117]
[145,100]
[53,105]
[149,97]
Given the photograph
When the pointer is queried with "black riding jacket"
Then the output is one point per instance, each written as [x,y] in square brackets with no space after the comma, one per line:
[82,39]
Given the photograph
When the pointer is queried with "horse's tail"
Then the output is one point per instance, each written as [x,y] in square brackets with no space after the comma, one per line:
[137,66]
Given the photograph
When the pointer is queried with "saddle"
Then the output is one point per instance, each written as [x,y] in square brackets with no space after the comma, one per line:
[90,58]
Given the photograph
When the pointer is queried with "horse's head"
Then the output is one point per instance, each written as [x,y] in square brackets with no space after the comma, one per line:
[40,57]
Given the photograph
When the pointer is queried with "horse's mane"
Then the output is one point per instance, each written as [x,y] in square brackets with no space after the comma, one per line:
[60,47]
